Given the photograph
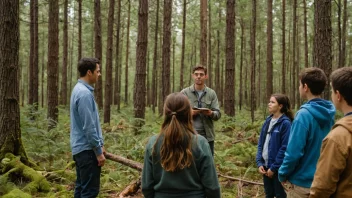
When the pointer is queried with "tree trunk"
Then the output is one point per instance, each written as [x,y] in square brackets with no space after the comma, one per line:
[229,101]
[166,49]
[33,96]
[306,63]
[79,29]
[283,43]
[269,50]
[253,60]
[210,67]
[203,30]
[183,42]
[343,35]
[98,52]
[53,63]
[127,51]
[322,55]
[108,72]
[217,69]
[155,59]
[294,58]
[141,58]
[339,33]
[10,131]
[241,64]
[173,64]
[63,94]
[117,55]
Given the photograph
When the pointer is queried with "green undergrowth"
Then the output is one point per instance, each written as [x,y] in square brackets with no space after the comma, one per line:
[235,150]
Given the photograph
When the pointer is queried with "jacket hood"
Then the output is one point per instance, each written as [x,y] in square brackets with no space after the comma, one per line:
[322,110]
[345,122]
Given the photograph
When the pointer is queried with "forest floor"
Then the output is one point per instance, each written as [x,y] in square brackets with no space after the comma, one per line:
[235,150]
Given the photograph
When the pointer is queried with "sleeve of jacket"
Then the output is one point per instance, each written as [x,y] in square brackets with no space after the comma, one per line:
[294,150]
[215,108]
[147,175]
[330,165]
[207,172]
[87,112]
[284,134]
[259,158]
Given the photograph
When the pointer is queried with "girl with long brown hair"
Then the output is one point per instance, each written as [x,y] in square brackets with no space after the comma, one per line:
[177,161]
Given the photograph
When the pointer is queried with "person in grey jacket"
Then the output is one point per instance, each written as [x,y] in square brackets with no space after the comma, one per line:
[204,102]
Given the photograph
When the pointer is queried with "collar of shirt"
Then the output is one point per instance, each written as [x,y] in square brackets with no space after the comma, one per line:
[86,84]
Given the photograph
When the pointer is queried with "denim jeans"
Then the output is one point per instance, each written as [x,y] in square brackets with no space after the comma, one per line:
[273,187]
[88,174]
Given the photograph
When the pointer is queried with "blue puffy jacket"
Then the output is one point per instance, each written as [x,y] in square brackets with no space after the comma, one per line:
[277,145]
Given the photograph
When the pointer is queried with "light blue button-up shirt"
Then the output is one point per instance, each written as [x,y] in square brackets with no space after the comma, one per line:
[86,132]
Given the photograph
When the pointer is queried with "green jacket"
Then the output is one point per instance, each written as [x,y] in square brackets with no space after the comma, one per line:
[198,181]
[208,100]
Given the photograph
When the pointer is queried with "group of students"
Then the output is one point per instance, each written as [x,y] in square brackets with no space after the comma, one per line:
[179,161]
[310,157]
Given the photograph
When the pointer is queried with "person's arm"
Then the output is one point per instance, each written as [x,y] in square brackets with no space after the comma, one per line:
[147,175]
[87,113]
[259,157]
[331,164]
[294,150]
[207,172]
[215,108]
[284,135]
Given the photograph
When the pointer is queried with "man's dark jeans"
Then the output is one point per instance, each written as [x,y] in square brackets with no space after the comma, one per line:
[273,187]
[88,174]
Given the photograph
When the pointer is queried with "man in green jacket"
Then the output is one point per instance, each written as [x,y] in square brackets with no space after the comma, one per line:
[205,105]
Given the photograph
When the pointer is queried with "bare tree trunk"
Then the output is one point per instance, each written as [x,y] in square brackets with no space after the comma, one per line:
[117,55]
[269,50]
[217,69]
[98,51]
[253,60]
[166,49]
[79,29]
[230,59]
[53,63]
[155,59]
[173,64]
[183,42]
[10,131]
[283,58]
[108,72]
[339,33]
[203,30]
[210,66]
[306,63]
[33,96]
[294,58]
[127,51]
[322,55]
[343,36]
[63,92]
[141,57]
[241,64]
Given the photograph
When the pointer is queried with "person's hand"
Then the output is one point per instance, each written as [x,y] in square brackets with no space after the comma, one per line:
[284,185]
[261,170]
[104,151]
[101,159]
[270,173]
[195,112]
[207,112]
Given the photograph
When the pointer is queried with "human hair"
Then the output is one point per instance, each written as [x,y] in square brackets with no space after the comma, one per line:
[176,131]
[315,79]
[341,80]
[86,64]
[199,67]
[283,100]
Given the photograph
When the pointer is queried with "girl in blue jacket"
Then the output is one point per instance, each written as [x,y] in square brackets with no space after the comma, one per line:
[272,144]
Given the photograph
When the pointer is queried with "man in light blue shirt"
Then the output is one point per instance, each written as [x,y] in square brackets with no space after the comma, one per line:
[86,138]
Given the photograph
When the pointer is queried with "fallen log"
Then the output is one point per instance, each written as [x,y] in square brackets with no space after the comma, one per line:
[131,189]
[130,163]
[241,180]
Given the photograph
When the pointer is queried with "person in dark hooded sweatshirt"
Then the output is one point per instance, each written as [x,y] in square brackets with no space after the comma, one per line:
[312,123]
